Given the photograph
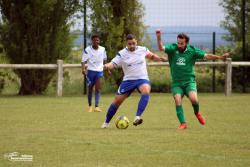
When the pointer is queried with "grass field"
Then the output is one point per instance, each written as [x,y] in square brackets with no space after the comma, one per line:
[59,133]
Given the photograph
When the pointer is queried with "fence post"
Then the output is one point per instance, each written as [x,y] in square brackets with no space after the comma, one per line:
[59,77]
[228,79]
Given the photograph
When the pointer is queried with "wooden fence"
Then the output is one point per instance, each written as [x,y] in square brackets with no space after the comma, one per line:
[60,67]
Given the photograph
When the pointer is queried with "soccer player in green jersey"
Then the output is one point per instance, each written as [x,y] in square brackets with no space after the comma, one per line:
[182,58]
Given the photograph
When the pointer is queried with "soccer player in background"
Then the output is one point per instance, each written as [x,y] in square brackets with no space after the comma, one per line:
[92,66]
[182,58]
[133,63]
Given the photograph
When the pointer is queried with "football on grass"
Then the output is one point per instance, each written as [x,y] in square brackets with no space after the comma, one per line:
[122,122]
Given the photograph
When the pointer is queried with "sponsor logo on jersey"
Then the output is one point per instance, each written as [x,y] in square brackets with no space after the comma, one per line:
[181,61]
[135,64]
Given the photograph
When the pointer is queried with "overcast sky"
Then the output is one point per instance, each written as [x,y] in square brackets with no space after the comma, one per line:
[160,13]
[183,12]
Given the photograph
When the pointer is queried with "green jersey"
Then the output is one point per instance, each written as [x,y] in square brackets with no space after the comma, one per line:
[182,64]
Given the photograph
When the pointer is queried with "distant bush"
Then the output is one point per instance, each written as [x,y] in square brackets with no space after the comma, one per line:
[161,80]
[8,81]
[159,77]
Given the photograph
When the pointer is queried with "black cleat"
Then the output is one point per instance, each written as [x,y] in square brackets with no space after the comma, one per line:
[137,121]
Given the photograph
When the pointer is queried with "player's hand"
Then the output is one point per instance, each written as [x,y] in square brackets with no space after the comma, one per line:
[158,32]
[226,55]
[84,72]
[163,59]
[107,68]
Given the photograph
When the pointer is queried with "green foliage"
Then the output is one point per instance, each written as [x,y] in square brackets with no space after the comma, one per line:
[233,19]
[204,78]
[159,79]
[237,80]
[8,81]
[233,23]
[36,32]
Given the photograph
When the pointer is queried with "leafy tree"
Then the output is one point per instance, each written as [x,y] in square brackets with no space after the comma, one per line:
[233,23]
[113,20]
[36,32]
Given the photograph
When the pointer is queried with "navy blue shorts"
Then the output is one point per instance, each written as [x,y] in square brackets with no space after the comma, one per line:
[93,76]
[130,85]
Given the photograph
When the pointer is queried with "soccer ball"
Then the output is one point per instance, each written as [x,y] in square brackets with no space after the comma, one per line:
[122,122]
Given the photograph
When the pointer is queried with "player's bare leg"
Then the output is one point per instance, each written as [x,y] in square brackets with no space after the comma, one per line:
[194,100]
[178,99]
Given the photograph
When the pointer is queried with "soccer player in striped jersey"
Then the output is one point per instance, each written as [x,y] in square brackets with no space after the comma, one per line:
[92,66]
[182,58]
[133,63]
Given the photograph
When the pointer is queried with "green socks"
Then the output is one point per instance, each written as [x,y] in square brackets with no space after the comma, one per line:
[196,108]
[180,114]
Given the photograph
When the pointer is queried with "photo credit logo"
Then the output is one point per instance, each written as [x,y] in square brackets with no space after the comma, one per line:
[17,157]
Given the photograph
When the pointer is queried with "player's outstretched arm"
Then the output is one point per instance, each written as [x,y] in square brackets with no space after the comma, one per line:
[155,57]
[214,57]
[159,42]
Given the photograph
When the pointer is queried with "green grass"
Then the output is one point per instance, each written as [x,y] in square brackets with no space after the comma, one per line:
[59,133]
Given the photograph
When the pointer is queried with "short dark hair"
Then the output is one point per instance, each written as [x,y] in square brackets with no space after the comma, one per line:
[130,37]
[94,36]
[183,36]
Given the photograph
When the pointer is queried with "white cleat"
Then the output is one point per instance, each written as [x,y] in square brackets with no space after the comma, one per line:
[105,125]
[137,121]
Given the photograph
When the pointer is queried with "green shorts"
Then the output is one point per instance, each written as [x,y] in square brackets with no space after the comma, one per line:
[183,88]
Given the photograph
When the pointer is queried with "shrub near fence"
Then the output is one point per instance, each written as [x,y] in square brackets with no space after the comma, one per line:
[60,68]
